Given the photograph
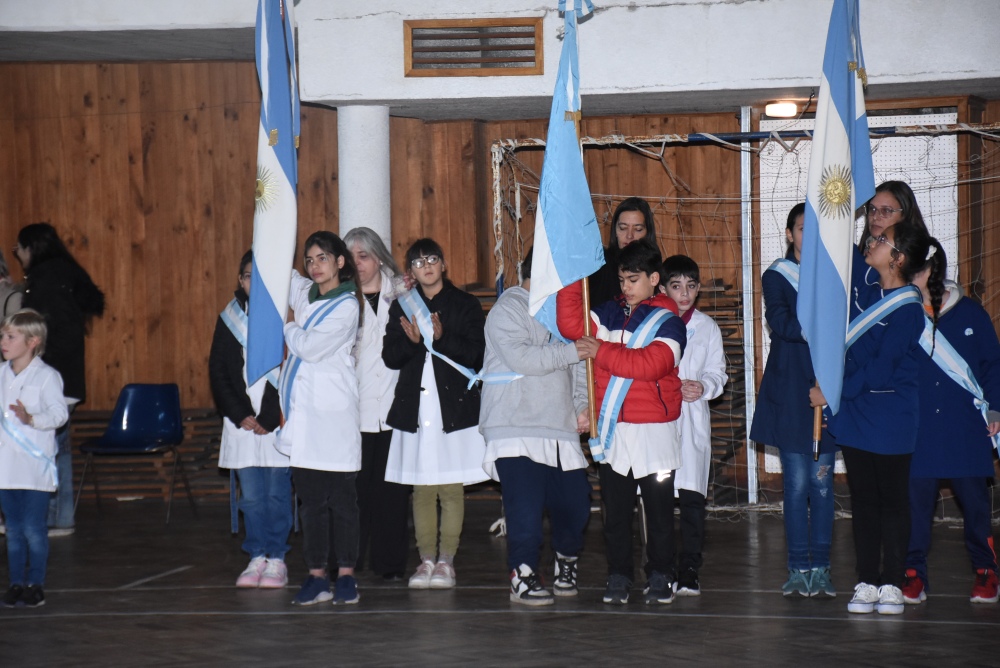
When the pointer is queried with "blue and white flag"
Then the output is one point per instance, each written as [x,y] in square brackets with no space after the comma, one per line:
[841,178]
[567,244]
[275,209]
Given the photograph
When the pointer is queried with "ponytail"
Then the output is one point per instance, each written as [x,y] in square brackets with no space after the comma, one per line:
[937,261]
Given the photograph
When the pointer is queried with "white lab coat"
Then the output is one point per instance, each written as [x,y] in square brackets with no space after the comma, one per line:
[376,382]
[39,387]
[703,360]
[241,448]
[322,424]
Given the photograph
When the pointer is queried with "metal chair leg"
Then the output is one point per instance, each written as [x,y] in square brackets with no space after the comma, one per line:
[79,489]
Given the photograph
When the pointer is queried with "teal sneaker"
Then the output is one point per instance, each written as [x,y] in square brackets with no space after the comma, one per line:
[797,585]
[821,584]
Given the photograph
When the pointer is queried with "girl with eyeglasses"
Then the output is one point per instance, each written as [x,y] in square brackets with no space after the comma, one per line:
[893,202]
[436,445]
[322,435]
[876,426]
[250,415]
[954,440]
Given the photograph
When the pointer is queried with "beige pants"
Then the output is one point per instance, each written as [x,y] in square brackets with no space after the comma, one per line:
[425,517]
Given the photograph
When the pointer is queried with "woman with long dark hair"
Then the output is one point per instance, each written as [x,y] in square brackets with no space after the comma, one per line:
[632,221]
[61,290]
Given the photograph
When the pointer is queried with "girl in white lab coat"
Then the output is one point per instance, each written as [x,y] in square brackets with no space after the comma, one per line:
[319,396]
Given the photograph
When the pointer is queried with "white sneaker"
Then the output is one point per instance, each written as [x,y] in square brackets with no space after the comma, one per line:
[250,577]
[443,576]
[565,576]
[275,575]
[526,588]
[865,598]
[421,579]
[890,600]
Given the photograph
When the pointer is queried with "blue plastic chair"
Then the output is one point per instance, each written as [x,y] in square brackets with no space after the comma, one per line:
[146,421]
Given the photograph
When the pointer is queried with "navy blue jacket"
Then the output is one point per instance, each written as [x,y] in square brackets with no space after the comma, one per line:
[783,417]
[879,402]
[952,442]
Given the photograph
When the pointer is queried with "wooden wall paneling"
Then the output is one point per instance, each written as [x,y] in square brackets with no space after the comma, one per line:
[319,199]
[10,185]
[111,350]
[412,195]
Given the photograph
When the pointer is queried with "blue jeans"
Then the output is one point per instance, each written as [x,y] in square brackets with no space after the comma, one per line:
[266,503]
[27,535]
[529,489]
[808,487]
[60,513]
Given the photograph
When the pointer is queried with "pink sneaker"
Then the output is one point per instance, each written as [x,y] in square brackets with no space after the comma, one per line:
[443,576]
[250,578]
[275,575]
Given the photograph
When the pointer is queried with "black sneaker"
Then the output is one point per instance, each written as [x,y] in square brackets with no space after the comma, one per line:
[565,580]
[659,589]
[687,583]
[526,588]
[13,596]
[33,596]
[617,589]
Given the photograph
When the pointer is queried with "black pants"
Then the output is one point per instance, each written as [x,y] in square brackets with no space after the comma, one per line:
[619,495]
[692,506]
[880,505]
[384,508]
[329,510]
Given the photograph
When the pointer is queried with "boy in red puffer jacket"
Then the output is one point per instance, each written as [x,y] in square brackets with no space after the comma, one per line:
[636,347]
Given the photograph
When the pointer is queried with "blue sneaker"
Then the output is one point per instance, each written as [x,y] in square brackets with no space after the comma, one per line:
[821,584]
[797,585]
[314,590]
[345,591]
[659,589]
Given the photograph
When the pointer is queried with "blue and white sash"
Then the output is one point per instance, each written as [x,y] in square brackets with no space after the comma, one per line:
[788,269]
[955,366]
[413,305]
[18,436]
[236,320]
[879,310]
[292,363]
[618,387]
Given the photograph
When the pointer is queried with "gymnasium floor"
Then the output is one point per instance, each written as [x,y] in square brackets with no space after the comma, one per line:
[126,590]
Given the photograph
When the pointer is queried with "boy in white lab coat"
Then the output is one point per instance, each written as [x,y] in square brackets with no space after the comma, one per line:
[703,375]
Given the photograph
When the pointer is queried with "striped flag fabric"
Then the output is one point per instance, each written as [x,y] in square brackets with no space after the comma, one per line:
[275,208]
[841,178]
[567,245]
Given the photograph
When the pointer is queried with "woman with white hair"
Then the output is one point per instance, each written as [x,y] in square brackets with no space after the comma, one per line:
[383,506]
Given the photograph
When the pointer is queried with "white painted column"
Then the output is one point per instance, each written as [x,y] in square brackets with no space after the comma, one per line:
[363,169]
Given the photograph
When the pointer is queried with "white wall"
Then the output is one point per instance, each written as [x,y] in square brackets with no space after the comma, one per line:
[69,15]
[351,51]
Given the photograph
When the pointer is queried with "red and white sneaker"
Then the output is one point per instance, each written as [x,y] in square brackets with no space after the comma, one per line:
[985,588]
[913,588]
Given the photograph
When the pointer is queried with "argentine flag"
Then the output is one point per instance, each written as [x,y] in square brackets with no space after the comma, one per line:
[841,178]
[275,209]
[567,244]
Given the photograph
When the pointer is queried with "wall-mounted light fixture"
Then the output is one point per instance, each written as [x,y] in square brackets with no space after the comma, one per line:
[781,109]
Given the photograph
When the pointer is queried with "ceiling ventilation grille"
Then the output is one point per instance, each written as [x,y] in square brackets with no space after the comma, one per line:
[473,47]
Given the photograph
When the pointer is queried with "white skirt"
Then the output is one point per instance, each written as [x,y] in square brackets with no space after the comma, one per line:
[430,456]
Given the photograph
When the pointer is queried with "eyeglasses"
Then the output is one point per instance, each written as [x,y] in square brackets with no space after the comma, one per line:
[880,211]
[419,262]
[882,239]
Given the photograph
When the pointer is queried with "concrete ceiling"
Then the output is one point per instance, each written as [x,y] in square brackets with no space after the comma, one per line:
[238,44]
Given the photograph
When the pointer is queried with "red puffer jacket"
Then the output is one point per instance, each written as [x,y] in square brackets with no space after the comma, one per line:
[655,394]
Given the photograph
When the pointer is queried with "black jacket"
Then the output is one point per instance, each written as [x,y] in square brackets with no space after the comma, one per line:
[225,372]
[62,292]
[462,339]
